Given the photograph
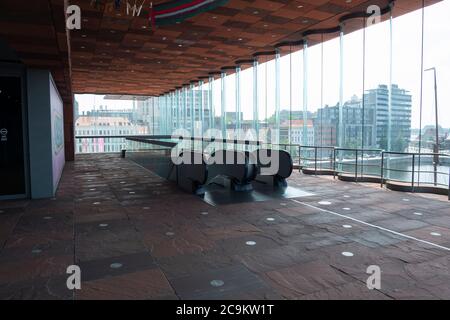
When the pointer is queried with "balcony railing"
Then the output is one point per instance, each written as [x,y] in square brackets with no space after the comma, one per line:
[404,171]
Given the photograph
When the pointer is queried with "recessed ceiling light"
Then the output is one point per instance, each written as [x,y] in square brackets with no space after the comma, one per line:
[300,6]
[240,39]
[164,38]
[113,31]
[305,21]
[214,17]
[128,50]
[134,40]
[266,25]
[83,36]
[255,12]
[180,45]
[144,27]
[83,47]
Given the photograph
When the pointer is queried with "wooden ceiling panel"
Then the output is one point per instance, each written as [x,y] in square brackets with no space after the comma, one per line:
[115,53]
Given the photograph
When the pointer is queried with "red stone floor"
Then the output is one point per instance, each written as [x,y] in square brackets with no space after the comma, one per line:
[167,244]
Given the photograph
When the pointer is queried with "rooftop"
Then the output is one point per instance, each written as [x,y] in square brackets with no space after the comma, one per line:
[137,236]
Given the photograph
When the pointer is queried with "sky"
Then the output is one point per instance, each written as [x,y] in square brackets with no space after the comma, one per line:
[406,70]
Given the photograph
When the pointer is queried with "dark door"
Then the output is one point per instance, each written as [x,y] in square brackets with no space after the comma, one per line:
[12,170]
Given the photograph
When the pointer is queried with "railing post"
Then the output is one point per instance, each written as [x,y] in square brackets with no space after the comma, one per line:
[334,163]
[299,158]
[412,173]
[382,169]
[315,161]
[449,185]
[356,165]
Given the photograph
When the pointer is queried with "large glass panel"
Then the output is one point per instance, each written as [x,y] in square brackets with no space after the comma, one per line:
[266,96]
[406,91]
[216,98]
[436,76]
[285,98]
[353,84]
[102,122]
[246,94]
[230,104]
[330,90]
[377,99]
[262,97]
[435,108]
[198,109]
[296,89]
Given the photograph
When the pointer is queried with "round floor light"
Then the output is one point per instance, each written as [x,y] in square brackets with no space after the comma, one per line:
[250,243]
[435,234]
[270,219]
[347,226]
[347,254]
[217,283]
[115,265]
[325,203]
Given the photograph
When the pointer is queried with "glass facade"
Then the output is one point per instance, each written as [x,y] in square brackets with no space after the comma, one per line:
[367,84]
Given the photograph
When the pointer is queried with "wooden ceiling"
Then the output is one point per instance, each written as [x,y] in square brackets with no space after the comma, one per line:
[114,53]
[36,31]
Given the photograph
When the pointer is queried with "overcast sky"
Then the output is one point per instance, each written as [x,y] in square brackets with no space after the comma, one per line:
[406,70]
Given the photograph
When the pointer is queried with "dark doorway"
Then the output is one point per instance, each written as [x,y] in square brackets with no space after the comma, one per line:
[12,169]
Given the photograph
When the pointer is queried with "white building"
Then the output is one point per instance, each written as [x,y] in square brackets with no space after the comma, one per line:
[97,127]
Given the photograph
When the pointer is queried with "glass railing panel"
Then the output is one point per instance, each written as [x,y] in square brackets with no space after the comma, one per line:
[105,144]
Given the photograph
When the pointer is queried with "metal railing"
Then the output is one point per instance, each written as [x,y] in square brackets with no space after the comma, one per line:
[428,165]
[358,160]
[417,170]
